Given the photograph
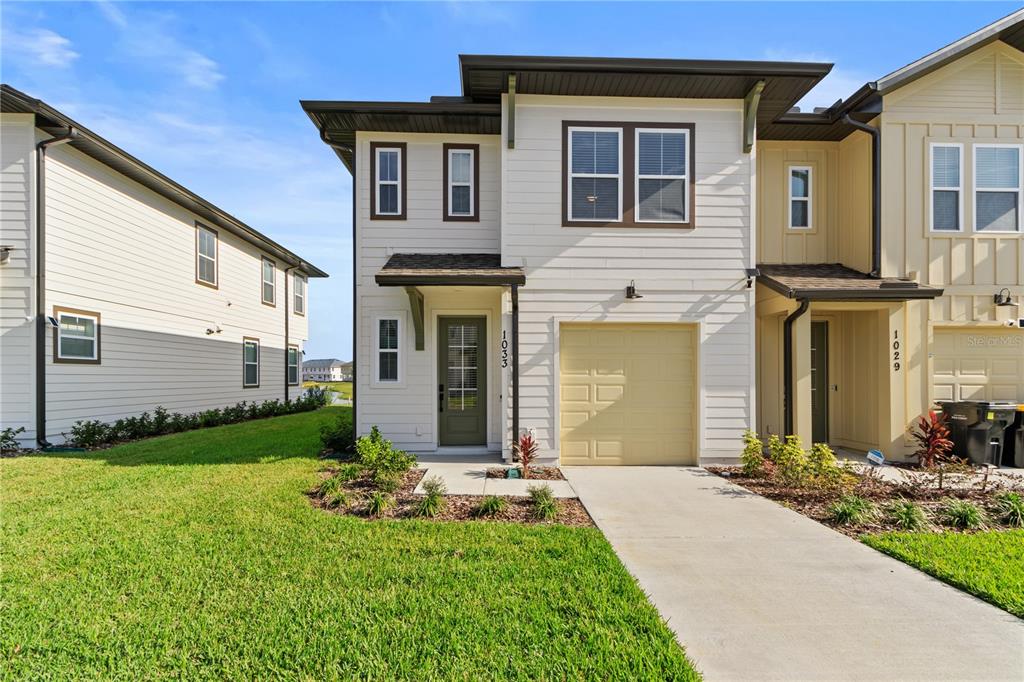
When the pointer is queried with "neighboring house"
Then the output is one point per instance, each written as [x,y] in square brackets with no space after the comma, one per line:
[328,369]
[570,247]
[122,290]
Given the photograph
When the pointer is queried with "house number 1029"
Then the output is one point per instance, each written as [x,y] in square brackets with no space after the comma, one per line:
[895,350]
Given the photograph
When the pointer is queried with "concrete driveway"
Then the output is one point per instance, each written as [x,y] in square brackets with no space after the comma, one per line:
[755,591]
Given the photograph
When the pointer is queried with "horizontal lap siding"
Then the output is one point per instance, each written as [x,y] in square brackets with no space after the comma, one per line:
[577,274]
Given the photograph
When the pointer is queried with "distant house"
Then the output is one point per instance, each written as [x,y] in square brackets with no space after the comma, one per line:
[326,369]
[124,291]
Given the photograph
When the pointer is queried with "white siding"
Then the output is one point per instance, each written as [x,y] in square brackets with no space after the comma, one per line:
[579,274]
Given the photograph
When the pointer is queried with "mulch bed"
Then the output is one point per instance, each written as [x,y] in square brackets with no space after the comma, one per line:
[536,473]
[814,502]
[571,511]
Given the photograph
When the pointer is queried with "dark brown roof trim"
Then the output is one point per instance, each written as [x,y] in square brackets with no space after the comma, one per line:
[454,279]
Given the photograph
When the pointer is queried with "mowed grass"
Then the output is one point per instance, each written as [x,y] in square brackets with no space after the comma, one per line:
[342,388]
[988,565]
[198,555]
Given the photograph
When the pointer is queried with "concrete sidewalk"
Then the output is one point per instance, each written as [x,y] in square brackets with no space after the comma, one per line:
[471,479]
[756,591]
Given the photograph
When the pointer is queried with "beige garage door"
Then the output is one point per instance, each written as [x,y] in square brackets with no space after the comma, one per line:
[628,393]
[973,364]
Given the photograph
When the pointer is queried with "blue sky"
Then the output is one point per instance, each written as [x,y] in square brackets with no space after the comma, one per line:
[208,92]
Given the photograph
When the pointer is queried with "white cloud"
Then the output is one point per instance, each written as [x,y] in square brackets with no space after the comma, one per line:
[113,13]
[200,71]
[40,45]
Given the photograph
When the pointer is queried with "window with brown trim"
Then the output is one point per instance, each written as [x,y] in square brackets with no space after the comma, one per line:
[207,248]
[628,174]
[293,365]
[268,282]
[461,173]
[250,362]
[387,180]
[76,340]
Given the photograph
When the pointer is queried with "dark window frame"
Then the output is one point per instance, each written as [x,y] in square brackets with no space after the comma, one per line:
[259,361]
[57,310]
[629,173]
[216,257]
[445,189]
[403,174]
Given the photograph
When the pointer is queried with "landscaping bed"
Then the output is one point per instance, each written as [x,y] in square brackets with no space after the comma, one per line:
[536,473]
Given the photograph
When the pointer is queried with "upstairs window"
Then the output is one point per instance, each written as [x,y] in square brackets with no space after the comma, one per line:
[299,299]
[595,174]
[997,187]
[387,350]
[947,188]
[293,365]
[461,180]
[800,179]
[387,168]
[77,337]
[206,256]
[250,362]
[662,180]
[269,283]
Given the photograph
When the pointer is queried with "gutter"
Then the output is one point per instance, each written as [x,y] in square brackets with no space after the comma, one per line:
[787,359]
[876,192]
[40,282]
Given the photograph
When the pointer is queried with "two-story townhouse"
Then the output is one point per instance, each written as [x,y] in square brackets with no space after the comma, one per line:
[567,247]
[326,369]
[891,248]
[123,291]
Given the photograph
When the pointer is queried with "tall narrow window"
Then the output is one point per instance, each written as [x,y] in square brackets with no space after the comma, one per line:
[206,256]
[595,174]
[250,362]
[269,282]
[997,187]
[77,337]
[387,350]
[387,170]
[800,215]
[662,180]
[299,299]
[461,180]
[946,191]
[293,365]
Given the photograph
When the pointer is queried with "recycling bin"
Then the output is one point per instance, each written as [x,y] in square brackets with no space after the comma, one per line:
[979,429]
[1013,441]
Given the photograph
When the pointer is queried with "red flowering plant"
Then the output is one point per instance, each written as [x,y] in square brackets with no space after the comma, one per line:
[932,436]
[526,451]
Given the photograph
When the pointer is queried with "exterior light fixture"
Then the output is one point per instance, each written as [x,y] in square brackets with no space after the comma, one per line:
[751,274]
[1003,298]
[631,290]
[5,252]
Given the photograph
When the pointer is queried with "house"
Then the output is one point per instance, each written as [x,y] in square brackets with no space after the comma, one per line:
[633,258]
[326,369]
[122,290]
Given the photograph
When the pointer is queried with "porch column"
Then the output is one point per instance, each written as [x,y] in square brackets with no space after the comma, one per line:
[802,422]
[892,412]
[515,362]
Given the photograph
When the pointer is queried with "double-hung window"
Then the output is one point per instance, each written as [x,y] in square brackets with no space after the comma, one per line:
[250,362]
[269,282]
[997,187]
[299,298]
[77,337]
[293,365]
[662,181]
[387,167]
[946,187]
[388,330]
[800,206]
[206,256]
[595,174]
[461,179]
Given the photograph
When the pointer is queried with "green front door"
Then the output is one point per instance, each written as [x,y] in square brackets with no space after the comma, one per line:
[819,381]
[462,380]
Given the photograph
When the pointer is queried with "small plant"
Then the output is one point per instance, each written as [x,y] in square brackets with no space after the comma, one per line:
[824,469]
[490,506]
[339,498]
[9,439]
[378,503]
[1009,509]
[791,465]
[430,505]
[378,455]
[932,436]
[752,457]
[850,510]
[906,515]
[434,486]
[962,514]
[545,506]
[339,437]
[526,451]
[330,485]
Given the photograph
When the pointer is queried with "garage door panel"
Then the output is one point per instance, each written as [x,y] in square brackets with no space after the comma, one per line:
[978,364]
[632,390]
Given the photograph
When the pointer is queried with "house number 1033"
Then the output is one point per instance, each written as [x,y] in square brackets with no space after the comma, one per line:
[504,350]
[895,350]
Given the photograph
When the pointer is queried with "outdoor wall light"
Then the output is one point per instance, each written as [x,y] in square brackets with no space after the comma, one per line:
[631,290]
[1003,298]
[5,252]
[751,274]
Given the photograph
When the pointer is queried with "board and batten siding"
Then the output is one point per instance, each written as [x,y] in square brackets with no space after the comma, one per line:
[118,249]
[406,413]
[579,274]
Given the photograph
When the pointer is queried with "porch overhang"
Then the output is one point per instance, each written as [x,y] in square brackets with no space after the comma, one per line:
[448,269]
[834,282]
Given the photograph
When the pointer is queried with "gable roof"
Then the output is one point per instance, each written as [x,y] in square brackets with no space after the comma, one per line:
[54,122]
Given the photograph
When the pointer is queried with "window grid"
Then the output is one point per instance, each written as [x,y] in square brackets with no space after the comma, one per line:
[206,256]
[574,175]
[463,347]
[268,282]
[77,332]
[662,176]
[389,172]
[250,363]
[943,190]
[996,185]
[465,182]
[293,365]
[802,198]
[388,341]
[299,302]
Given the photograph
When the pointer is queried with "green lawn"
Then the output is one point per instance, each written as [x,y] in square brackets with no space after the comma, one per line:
[198,555]
[342,388]
[988,565]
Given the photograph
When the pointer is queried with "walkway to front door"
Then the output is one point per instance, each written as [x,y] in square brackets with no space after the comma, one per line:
[756,591]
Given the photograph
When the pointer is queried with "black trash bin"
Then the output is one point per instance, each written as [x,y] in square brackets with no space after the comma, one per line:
[1000,418]
[1013,441]
[963,418]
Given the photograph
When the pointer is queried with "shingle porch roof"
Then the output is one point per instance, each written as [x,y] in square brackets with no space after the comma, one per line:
[468,269]
[835,282]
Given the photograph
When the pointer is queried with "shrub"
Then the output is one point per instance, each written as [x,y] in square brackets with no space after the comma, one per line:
[824,469]
[378,455]
[545,506]
[387,481]
[90,433]
[752,456]
[962,514]
[489,506]
[9,439]
[430,505]
[379,503]
[791,465]
[339,437]
[932,436]
[526,451]
[906,515]
[434,486]
[1009,509]
[850,510]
